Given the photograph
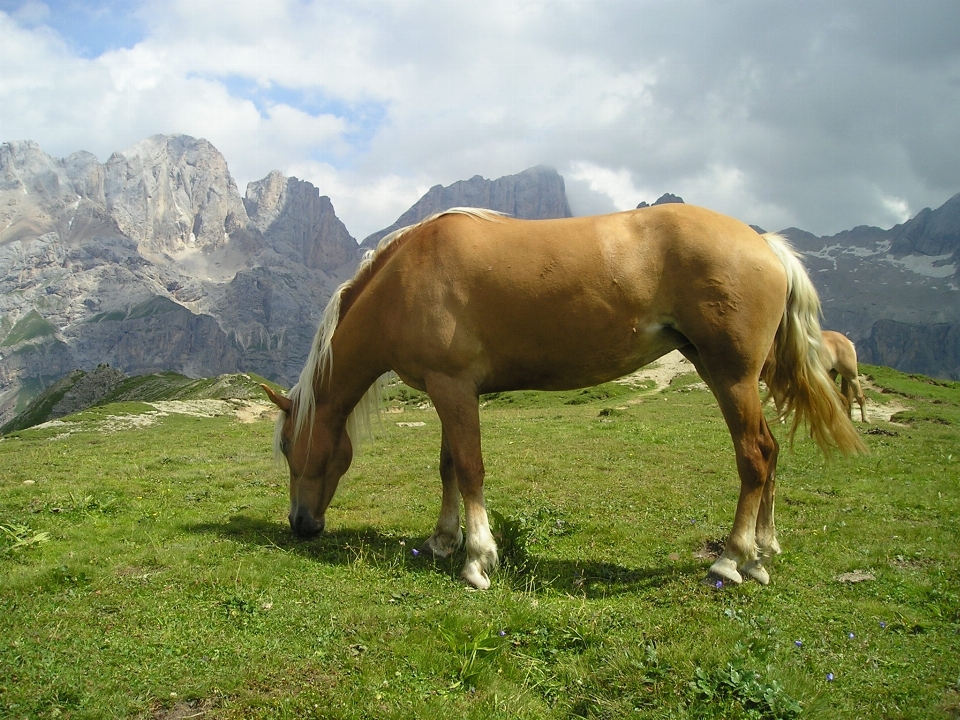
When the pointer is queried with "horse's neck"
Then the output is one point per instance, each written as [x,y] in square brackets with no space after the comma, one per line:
[356,362]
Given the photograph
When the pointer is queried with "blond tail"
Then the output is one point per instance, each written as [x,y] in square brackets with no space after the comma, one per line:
[794,375]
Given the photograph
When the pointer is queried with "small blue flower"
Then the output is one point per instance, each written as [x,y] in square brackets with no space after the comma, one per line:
[415,552]
[719,584]
[502,633]
[829,677]
[798,643]
[851,636]
[882,624]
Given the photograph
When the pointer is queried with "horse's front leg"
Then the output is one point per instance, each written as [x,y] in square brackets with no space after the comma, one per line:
[458,407]
[447,537]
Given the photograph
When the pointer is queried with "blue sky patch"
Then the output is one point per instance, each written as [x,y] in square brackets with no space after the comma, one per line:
[89,27]
[363,119]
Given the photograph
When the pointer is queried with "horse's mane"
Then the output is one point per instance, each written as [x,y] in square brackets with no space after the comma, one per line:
[320,360]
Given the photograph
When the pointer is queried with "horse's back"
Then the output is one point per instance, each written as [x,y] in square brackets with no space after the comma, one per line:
[573,302]
[840,353]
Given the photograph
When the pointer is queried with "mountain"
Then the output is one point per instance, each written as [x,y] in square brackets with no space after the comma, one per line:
[152,261]
[896,292]
[536,193]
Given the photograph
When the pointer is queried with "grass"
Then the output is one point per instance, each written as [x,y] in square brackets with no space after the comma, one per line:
[30,327]
[149,572]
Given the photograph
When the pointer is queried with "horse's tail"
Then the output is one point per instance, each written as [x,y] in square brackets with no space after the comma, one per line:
[794,374]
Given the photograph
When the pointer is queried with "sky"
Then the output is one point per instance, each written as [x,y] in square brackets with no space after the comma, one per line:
[818,115]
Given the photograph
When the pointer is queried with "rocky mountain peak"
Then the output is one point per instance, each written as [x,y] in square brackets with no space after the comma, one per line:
[299,223]
[664,199]
[930,232]
[535,193]
[174,193]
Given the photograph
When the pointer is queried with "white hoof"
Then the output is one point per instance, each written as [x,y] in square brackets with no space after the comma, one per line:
[772,549]
[473,575]
[442,546]
[726,569]
[757,571]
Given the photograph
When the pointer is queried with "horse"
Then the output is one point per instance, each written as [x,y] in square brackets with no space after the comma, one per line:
[839,357]
[470,301]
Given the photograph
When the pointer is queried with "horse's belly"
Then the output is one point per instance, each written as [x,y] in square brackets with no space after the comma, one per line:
[576,357]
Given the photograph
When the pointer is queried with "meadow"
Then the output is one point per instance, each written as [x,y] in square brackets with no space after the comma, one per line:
[147,569]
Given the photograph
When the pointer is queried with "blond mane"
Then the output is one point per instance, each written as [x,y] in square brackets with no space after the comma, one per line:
[320,360]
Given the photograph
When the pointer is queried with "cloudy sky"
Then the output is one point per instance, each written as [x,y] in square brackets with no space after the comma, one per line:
[820,115]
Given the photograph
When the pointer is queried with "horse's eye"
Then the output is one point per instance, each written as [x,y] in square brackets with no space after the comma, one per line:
[284,445]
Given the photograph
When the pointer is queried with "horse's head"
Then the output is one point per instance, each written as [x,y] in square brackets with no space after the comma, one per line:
[317,457]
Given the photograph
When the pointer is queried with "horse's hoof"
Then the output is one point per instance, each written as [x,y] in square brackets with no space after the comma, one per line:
[771,550]
[726,569]
[757,571]
[441,549]
[476,577]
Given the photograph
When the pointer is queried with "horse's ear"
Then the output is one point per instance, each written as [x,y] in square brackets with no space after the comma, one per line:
[279,400]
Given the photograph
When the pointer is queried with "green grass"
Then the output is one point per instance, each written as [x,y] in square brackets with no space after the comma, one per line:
[30,327]
[150,572]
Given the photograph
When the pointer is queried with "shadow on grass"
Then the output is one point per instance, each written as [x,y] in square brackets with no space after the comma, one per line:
[395,554]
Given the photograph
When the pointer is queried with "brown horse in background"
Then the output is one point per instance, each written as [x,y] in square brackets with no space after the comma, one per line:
[839,357]
[470,302]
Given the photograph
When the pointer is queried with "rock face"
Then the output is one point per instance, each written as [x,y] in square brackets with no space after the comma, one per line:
[930,348]
[144,262]
[152,261]
[292,214]
[534,194]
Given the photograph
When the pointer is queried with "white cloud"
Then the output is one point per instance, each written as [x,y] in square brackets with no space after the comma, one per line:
[897,207]
[617,185]
[776,113]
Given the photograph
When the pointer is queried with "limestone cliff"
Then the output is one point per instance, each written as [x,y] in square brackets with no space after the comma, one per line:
[537,193]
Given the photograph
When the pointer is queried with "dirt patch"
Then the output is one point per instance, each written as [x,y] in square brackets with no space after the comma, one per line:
[246,411]
[664,371]
[876,411]
[184,709]
[661,372]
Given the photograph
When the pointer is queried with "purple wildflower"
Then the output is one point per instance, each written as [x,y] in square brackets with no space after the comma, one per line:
[415,552]
[719,584]
[798,643]
[829,677]
[882,624]
[851,636]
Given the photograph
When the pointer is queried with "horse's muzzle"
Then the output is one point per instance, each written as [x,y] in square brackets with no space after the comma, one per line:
[303,524]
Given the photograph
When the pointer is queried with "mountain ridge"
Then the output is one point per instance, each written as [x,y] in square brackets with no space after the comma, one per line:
[154,260]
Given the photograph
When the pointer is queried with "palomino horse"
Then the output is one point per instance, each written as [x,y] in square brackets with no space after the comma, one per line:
[470,302]
[839,357]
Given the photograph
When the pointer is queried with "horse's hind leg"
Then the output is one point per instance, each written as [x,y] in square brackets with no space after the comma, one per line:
[458,407]
[767,543]
[861,399]
[846,392]
[753,534]
[447,537]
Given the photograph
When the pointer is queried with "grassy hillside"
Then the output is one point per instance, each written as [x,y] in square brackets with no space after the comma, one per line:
[147,570]
[30,327]
[154,387]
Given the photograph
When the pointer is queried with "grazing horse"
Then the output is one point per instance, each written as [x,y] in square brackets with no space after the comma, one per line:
[470,302]
[839,357]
